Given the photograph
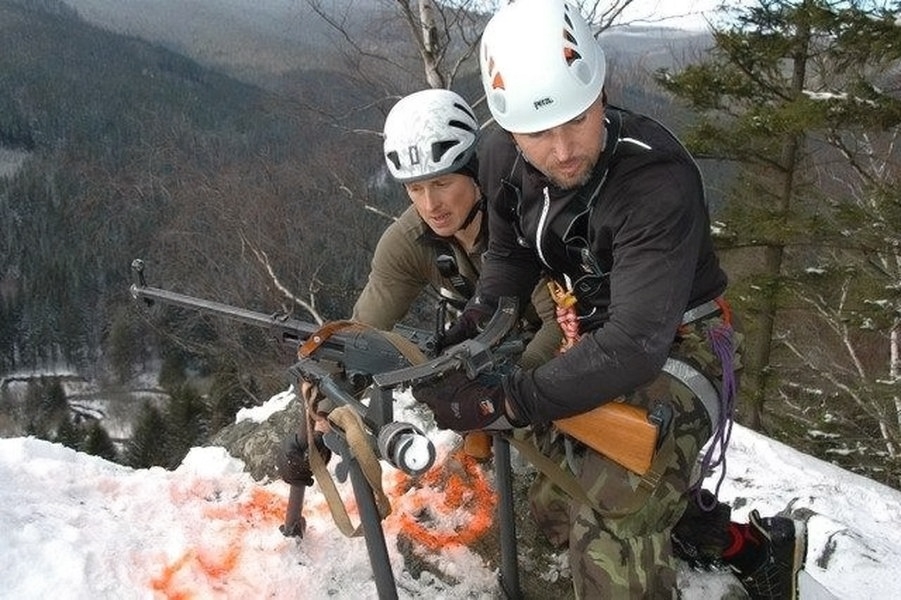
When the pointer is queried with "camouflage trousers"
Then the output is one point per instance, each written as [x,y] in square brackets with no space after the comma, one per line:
[626,552]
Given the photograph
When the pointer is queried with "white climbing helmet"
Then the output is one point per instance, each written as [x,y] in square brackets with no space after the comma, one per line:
[541,65]
[429,133]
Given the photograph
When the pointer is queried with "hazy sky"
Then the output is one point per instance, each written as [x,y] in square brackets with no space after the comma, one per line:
[687,14]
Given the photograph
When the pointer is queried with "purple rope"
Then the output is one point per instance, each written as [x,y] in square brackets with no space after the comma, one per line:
[720,339]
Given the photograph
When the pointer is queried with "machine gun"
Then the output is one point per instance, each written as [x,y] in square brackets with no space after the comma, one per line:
[343,358]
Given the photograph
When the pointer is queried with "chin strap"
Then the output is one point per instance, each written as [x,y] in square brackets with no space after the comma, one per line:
[476,209]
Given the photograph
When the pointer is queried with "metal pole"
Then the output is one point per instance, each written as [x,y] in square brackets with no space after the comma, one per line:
[509,577]
[373,533]
[295,524]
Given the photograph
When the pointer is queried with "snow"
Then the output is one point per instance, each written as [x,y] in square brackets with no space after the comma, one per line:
[78,527]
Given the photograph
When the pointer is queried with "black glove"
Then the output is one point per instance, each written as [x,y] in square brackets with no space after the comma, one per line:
[467,326]
[293,462]
[464,404]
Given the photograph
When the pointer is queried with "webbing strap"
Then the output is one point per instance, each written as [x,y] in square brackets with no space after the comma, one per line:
[566,481]
[322,334]
[701,310]
[408,349]
[561,478]
[332,497]
[699,385]
[350,423]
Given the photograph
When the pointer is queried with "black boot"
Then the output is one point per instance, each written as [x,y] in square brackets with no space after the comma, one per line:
[771,554]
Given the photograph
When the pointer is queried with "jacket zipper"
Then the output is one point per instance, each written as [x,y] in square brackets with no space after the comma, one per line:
[542,223]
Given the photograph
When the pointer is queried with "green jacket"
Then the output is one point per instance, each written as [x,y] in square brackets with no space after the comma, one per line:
[404,265]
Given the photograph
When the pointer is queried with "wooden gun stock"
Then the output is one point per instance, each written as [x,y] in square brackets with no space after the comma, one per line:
[619,431]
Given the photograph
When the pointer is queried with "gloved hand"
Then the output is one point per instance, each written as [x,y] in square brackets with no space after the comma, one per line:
[293,462]
[467,326]
[464,404]
[317,405]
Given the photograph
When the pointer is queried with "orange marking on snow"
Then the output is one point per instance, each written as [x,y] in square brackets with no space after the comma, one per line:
[219,566]
[165,581]
[431,502]
[455,496]
[217,560]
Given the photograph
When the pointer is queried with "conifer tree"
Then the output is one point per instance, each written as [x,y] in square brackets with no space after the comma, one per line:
[783,83]
[145,448]
[187,423]
[98,442]
[69,434]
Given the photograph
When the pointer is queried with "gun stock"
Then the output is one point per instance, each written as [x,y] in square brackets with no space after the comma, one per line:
[621,432]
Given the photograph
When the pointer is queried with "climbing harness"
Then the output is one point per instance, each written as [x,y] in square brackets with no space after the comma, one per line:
[719,405]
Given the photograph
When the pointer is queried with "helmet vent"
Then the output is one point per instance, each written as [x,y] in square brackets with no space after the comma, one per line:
[467,111]
[394,158]
[571,55]
[439,149]
[461,125]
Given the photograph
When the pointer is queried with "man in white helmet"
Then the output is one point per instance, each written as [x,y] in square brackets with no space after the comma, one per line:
[430,147]
[611,207]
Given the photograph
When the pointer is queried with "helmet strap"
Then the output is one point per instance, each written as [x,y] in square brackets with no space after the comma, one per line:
[476,208]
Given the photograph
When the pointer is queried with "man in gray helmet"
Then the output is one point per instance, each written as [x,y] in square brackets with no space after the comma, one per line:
[430,147]
[610,206]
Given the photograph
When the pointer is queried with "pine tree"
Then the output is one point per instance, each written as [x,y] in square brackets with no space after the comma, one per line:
[145,448]
[187,423]
[46,407]
[798,96]
[227,396]
[68,434]
[777,82]
[98,442]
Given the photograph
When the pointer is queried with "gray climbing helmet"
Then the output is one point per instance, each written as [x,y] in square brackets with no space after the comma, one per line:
[429,133]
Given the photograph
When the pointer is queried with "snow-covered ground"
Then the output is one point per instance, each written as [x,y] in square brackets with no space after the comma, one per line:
[75,526]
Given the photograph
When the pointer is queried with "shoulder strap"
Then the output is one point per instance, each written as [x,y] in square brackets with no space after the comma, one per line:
[446,261]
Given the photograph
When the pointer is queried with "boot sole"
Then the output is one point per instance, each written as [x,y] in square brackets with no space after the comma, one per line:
[800,555]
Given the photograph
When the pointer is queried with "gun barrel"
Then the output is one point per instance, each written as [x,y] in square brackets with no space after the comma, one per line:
[302,328]
[287,330]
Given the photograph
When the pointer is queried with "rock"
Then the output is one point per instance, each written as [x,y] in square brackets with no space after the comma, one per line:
[258,443]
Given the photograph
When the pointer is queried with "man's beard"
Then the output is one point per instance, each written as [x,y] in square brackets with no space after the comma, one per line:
[573,182]
[570,184]
[577,180]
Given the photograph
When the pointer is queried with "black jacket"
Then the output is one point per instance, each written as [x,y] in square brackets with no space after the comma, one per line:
[634,244]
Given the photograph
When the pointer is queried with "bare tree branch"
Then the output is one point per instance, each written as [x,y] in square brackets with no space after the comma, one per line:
[307,305]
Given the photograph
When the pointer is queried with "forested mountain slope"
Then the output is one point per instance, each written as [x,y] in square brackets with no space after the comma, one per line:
[134,150]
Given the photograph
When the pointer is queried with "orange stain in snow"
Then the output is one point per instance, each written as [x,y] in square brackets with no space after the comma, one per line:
[421,507]
[178,578]
[427,509]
